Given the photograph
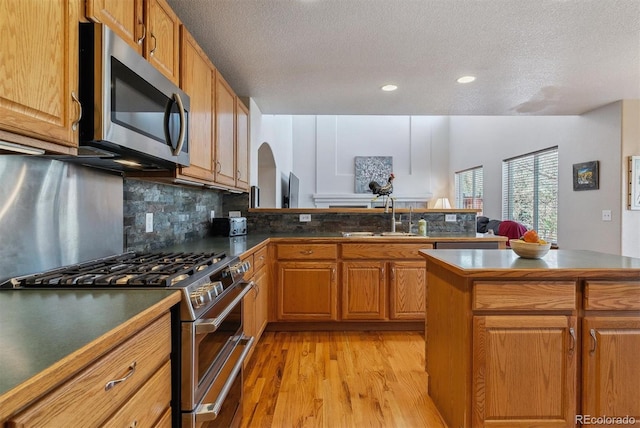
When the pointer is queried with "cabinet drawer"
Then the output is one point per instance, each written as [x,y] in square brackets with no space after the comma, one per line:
[148,404]
[260,258]
[84,400]
[383,251]
[612,295]
[307,251]
[531,295]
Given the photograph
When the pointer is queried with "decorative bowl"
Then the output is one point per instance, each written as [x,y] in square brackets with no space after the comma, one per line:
[529,250]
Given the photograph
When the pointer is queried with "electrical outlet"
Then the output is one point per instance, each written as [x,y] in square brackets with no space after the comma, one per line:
[149,227]
[213,215]
[305,217]
[450,217]
[606,215]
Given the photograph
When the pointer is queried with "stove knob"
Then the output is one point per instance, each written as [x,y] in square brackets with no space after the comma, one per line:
[197,299]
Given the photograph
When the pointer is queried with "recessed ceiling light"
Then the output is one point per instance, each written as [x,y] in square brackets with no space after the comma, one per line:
[389,88]
[466,79]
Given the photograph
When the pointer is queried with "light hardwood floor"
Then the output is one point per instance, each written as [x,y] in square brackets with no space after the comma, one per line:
[338,379]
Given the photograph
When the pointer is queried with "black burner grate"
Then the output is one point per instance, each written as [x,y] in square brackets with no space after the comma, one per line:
[125,270]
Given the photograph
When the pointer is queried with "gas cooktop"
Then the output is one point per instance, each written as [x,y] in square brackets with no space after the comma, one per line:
[124,270]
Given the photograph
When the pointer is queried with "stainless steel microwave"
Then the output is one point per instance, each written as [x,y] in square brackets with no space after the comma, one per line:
[134,117]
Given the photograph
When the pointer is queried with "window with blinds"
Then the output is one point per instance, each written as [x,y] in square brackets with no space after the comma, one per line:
[469,189]
[530,191]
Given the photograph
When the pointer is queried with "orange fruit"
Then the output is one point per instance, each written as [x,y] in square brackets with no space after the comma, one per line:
[530,236]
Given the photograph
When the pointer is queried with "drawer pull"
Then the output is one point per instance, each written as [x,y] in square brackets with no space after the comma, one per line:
[572,333]
[112,383]
[306,252]
[133,424]
[594,339]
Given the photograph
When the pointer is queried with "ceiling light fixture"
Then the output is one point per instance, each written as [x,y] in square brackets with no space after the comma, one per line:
[389,88]
[466,79]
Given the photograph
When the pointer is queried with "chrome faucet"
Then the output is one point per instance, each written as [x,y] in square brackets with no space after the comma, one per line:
[393,213]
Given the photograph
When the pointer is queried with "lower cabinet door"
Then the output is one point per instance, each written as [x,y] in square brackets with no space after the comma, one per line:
[407,290]
[307,291]
[364,291]
[611,367]
[524,371]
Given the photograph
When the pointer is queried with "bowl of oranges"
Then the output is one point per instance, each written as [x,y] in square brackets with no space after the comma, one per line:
[530,245]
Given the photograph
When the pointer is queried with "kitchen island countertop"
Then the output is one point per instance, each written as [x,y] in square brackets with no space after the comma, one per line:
[556,263]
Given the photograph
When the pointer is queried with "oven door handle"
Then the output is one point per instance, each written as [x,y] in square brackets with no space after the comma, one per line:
[209,325]
[209,411]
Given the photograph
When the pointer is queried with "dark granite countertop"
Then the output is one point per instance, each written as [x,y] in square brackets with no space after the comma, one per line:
[235,246]
[38,328]
[556,263]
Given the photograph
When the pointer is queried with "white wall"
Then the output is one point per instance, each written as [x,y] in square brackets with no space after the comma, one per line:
[486,141]
[428,150]
[324,148]
[275,130]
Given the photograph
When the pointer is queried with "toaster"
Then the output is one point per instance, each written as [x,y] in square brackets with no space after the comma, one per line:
[229,226]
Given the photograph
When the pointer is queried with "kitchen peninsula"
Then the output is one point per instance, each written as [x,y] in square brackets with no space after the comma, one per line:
[532,342]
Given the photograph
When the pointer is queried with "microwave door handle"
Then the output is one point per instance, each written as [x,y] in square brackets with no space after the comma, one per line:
[183,125]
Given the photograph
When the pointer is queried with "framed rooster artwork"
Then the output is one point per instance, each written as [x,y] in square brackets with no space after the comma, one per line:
[372,169]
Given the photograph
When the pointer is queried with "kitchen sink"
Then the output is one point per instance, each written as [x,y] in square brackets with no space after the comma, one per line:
[361,234]
[398,234]
[348,234]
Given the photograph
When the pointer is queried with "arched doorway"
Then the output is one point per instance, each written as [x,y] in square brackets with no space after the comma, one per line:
[266,176]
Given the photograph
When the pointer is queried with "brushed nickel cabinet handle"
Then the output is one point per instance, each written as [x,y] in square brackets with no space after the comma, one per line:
[594,339]
[239,173]
[219,167]
[112,383]
[74,97]
[333,274]
[572,333]
[306,252]
[393,274]
[144,32]
[133,424]
[155,45]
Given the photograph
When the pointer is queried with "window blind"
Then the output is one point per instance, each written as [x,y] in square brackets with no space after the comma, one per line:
[530,191]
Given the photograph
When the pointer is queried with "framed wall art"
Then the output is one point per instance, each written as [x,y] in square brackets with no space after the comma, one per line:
[585,176]
[634,182]
[372,168]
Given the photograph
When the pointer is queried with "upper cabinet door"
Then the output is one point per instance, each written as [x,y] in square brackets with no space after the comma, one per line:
[197,76]
[124,17]
[242,146]
[162,43]
[225,133]
[39,69]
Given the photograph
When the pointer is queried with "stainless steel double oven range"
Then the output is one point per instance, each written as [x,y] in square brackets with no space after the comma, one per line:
[207,367]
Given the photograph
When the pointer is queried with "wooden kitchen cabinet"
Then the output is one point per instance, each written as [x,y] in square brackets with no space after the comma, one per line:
[407,290]
[198,80]
[256,303]
[225,105]
[150,27]
[242,145]
[524,370]
[124,17]
[393,281]
[610,348]
[162,44]
[139,371]
[39,107]
[307,291]
[364,290]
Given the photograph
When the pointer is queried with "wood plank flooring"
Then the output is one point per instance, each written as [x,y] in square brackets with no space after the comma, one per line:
[338,379]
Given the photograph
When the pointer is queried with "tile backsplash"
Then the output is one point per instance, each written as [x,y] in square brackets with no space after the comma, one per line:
[180,213]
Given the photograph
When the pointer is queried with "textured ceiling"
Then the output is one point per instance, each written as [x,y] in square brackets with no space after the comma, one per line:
[531,57]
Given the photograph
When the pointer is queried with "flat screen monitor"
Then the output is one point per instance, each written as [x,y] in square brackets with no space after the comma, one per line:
[291,200]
